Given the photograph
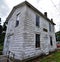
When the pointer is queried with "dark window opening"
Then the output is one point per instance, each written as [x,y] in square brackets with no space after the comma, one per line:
[17,23]
[51,43]
[37,20]
[37,40]
[17,19]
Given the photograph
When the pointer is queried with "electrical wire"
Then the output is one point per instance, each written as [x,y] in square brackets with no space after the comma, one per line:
[55,6]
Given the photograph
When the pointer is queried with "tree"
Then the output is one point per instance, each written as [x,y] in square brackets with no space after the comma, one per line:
[4,26]
[2,34]
[57,36]
[0,27]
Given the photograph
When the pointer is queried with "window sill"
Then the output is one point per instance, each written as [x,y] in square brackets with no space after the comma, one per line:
[38,48]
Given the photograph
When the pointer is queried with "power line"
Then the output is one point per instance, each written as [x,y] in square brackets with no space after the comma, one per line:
[55,6]
[37,1]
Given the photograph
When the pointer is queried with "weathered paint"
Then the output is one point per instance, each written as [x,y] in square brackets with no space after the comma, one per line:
[22,37]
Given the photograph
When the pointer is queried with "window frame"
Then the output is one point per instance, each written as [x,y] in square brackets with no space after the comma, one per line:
[51,41]
[37,43]
[37,21]
[17,19]
[49,27]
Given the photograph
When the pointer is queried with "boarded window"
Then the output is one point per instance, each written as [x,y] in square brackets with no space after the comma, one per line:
[37,40]
[51,43]
[37,20]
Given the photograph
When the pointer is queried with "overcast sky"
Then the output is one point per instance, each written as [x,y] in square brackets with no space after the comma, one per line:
[50,6]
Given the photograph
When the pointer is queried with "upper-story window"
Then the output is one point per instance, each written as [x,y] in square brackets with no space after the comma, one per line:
[37,20]
[50,27]
[17,19]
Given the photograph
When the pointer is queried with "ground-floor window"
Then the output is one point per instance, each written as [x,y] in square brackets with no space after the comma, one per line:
[37,40]
[51,43]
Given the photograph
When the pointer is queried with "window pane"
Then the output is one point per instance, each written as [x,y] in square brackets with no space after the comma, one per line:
[49,26]
[51,41]
[37,20]
[37,40]
[17,20]
[17,23]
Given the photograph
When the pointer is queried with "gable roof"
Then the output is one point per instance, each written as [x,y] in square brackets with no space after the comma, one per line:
[30,6]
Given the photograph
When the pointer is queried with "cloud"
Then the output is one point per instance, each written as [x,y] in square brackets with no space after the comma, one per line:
[4,9]
[53,12]
[43,5]
[12,3]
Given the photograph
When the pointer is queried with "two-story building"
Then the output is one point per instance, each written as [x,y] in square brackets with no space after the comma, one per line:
[29,32]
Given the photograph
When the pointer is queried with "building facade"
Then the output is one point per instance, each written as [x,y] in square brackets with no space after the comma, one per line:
[29,32]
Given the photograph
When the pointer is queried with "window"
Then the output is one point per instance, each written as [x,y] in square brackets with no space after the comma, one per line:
[37,20]
[51,41]
[52,28]
[17,23]
[17,20]
[49,26]
[37,40]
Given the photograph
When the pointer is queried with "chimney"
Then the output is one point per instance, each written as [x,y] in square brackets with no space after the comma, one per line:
[0,20]
[51,20]
[45,14]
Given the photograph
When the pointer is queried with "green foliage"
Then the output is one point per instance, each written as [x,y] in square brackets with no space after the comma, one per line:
[57,36]
[2,35]
[0,29]
[1,47]
[4,26]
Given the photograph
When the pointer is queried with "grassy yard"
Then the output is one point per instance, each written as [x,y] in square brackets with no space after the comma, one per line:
[54,57]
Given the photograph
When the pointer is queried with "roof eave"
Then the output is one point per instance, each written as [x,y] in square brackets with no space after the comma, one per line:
[28,4]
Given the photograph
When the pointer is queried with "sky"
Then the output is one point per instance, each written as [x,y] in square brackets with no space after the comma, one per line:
[49,6]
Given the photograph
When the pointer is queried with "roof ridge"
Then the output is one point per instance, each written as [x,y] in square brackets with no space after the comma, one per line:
[32,7]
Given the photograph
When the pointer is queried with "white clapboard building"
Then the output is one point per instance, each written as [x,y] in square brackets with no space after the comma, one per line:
[29,32]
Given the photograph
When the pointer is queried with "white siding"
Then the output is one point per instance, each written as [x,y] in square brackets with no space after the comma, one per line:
[22,41]
[31,30]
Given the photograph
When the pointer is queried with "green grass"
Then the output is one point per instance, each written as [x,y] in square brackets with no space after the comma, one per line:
[54,57]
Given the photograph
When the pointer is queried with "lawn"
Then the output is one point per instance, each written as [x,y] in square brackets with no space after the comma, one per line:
[54,57]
